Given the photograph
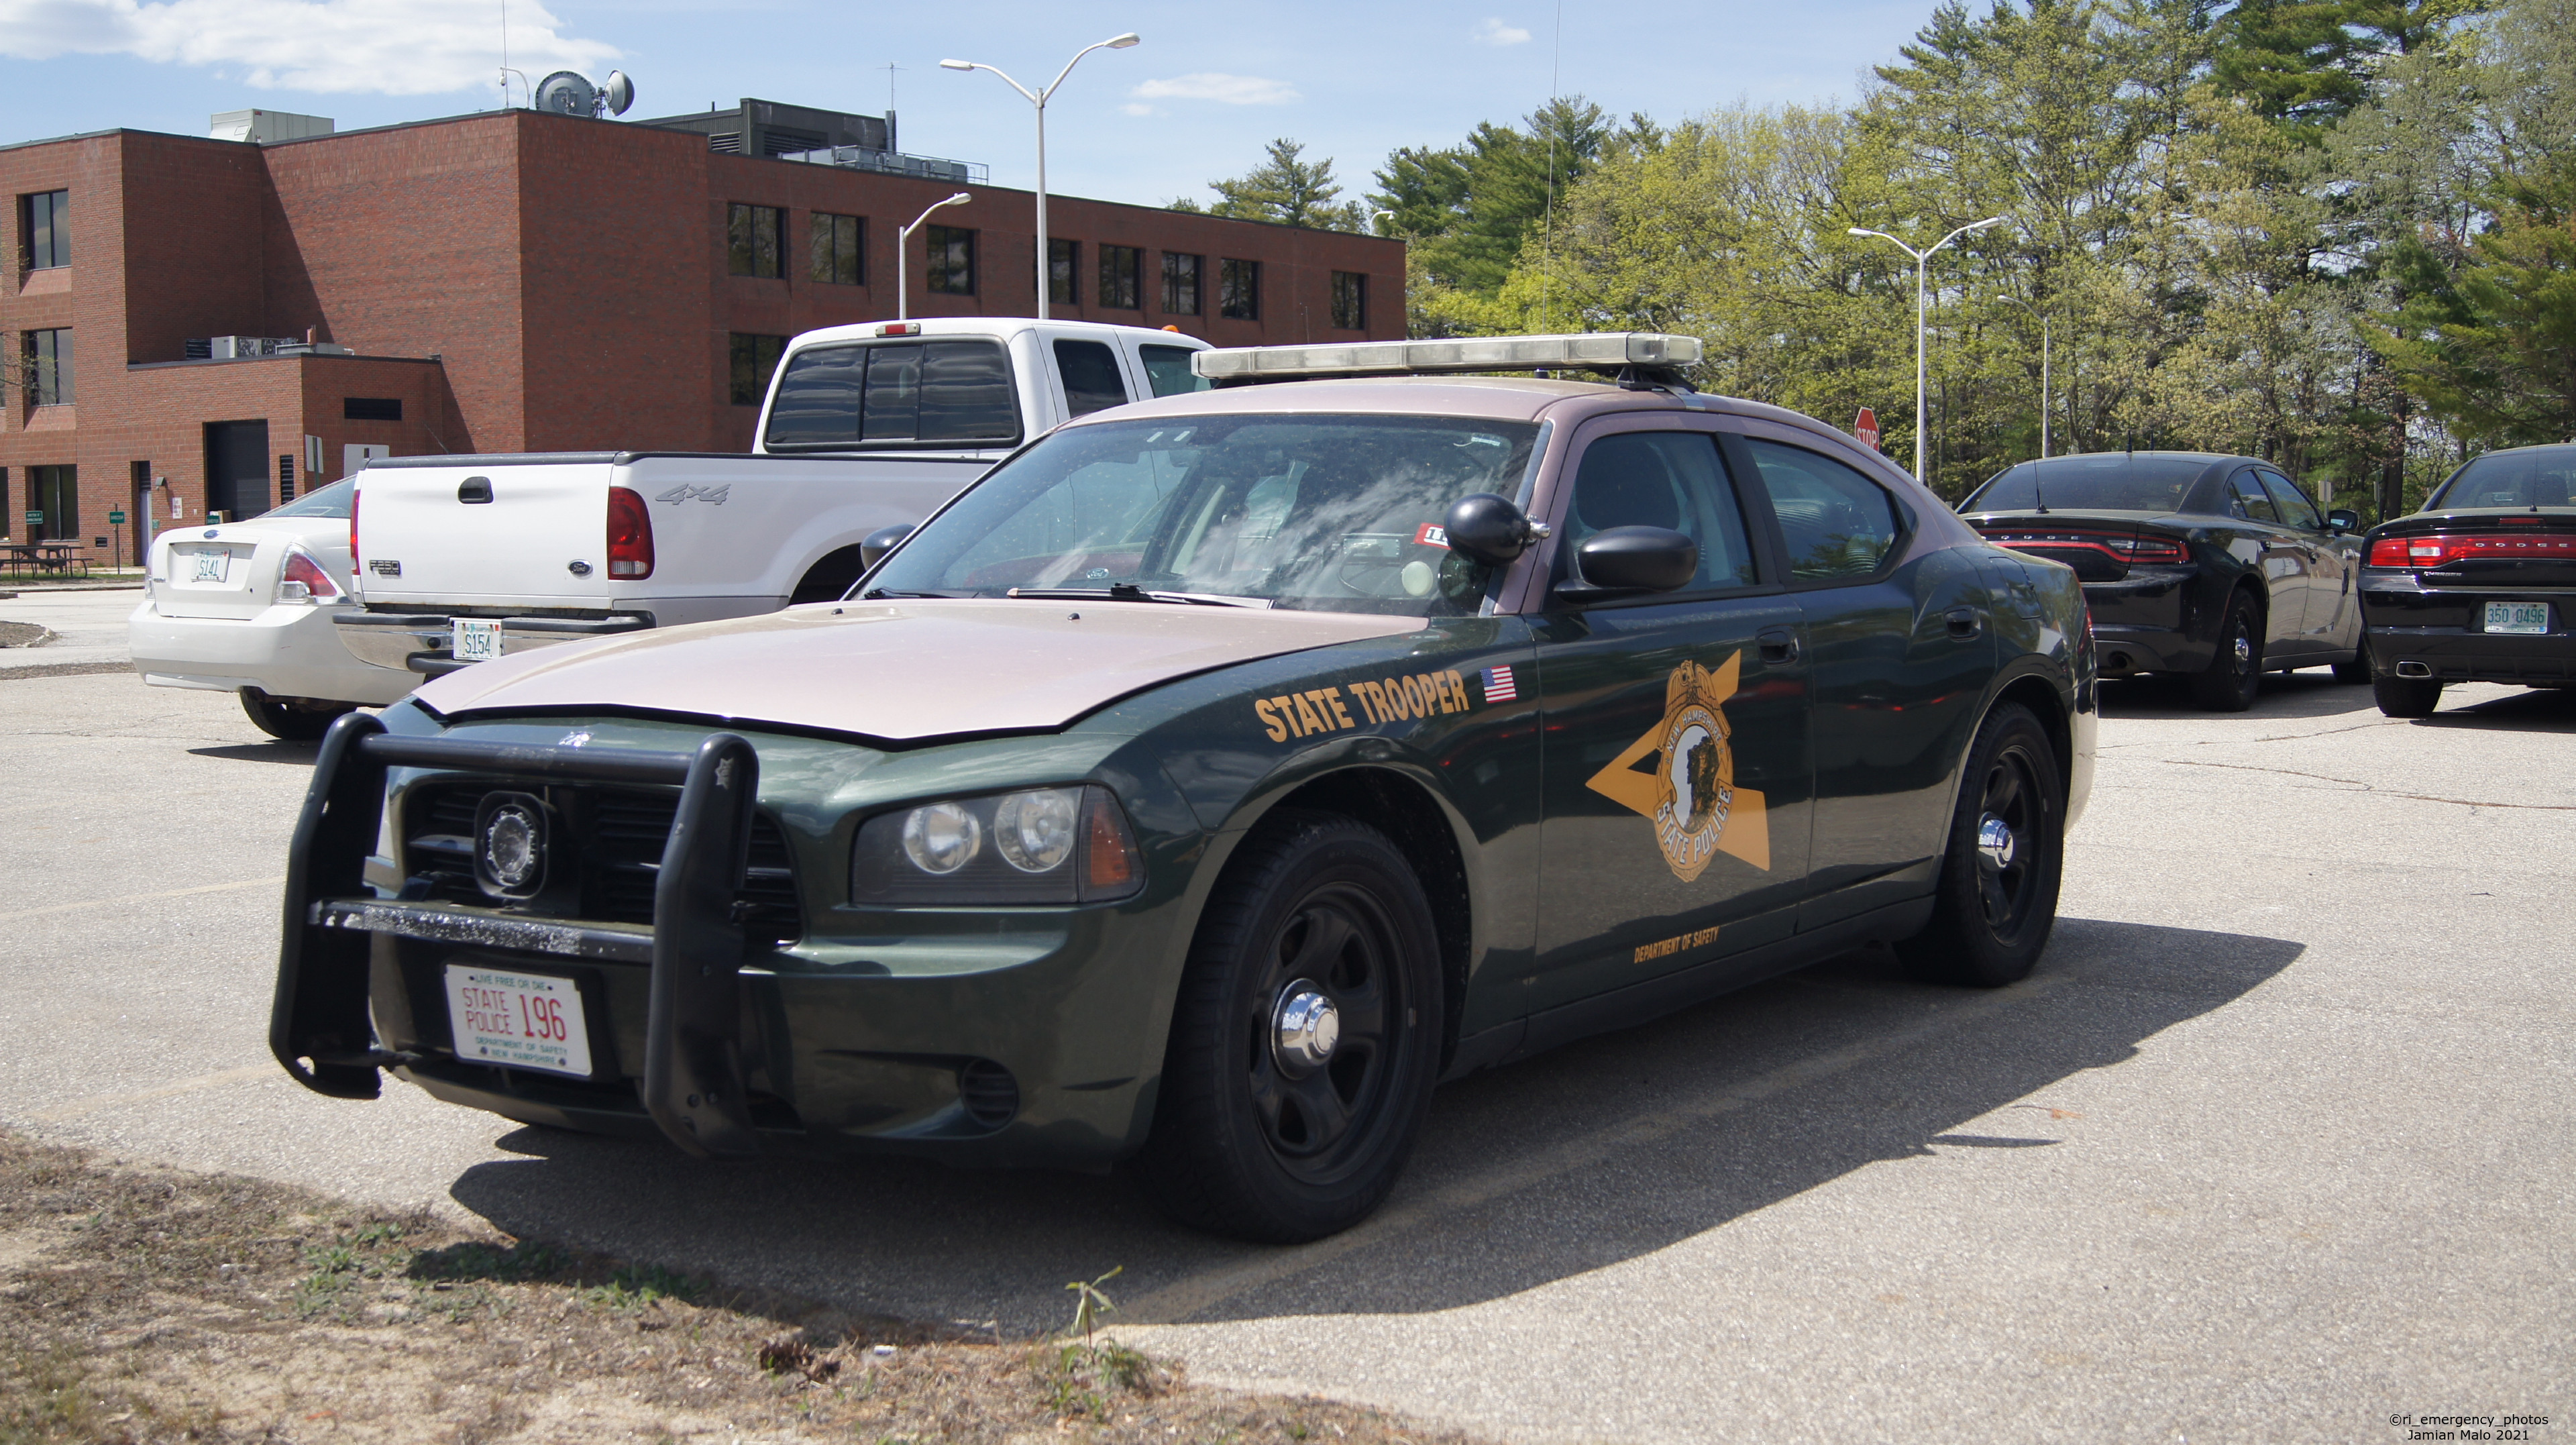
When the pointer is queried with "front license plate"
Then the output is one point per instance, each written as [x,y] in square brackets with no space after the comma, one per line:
[477,641]
[517,1020]
[2517,617]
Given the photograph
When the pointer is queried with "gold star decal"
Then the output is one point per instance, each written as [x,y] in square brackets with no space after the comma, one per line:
[1691,796]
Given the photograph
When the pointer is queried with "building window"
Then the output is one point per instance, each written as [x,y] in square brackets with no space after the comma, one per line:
[1350,300]
[45,219]
[1062,259]
[837,250]
[371,408]
[754,358]
[952,261]
[54,494]
[1122,282]
[752,233]
[1238,290]
[1181,284]
[49,367]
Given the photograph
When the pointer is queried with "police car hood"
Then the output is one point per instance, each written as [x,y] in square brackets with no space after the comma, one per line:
[903,671]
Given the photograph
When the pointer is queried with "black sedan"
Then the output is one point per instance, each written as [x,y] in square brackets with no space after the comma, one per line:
[2476,587]
[2217,568]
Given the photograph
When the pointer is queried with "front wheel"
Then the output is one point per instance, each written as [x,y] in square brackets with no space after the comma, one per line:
[1304,1040]
[1997,896]
[292,719]
[2407,696]
[2235,674]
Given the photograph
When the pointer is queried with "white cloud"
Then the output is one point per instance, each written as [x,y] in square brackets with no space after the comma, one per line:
[388,47]
[1490,31]
[1226,89]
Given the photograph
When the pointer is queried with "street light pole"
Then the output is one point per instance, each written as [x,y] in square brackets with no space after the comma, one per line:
[903,254]
[1920,430]
[1039,99]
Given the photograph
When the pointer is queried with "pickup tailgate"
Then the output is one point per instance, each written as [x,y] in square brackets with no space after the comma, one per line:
[527,535]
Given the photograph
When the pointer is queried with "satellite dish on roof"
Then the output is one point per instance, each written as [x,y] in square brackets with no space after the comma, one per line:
[565,93]
[618,94]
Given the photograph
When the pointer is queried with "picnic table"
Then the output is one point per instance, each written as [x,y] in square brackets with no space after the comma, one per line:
[55,556]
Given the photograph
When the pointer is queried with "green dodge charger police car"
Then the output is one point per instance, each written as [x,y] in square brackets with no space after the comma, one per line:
[1212,778]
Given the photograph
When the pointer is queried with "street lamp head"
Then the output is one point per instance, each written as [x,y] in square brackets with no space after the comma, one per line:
[1981,225]
[957,65]
[1131,38]
[1857,231]
[958,199]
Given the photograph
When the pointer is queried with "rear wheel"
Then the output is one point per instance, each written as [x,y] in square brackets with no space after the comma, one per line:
[294,719]
[2235,674]
[1997,896]
[2407,696]
[1305,1038]
[2358,670]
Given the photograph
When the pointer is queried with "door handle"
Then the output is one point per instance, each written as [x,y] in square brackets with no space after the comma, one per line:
[1778,644]
[1964,622]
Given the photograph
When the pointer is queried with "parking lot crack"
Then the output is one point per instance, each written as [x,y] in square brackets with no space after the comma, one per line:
[2360,786]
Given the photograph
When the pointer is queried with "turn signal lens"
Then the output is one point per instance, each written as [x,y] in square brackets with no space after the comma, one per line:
[1047,847]
[1110,868]
[2443,550]
[302,571]
[630,535]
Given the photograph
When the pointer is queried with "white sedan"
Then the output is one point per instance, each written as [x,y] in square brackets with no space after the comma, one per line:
[245,607]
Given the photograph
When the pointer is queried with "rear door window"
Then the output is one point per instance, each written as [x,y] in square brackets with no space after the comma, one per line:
[2252,503]
[1837,524]
[1091,379]
[2294,505]
[953,393]
[1167,370]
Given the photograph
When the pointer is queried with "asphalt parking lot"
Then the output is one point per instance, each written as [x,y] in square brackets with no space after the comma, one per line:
[2274,1146]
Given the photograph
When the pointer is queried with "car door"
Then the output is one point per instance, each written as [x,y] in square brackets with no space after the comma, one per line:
[2280,554]
[1900,645]
[1674,752]
[2329,622]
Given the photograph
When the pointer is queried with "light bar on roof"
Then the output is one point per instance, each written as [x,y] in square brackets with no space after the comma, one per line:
[1595,351]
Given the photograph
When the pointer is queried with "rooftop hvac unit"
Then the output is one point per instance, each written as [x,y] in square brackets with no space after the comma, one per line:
[243,348]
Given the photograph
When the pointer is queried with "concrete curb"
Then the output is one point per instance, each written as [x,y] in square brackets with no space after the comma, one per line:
[66,669]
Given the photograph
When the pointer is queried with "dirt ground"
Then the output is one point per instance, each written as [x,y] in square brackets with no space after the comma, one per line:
[140,1303]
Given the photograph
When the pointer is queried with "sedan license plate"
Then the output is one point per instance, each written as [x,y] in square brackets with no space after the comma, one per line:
[2526,618]
[517,1020]
[211,565]
[477,641]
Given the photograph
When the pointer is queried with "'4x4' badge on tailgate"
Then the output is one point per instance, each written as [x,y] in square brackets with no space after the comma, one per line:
[1691,798]
[685,493]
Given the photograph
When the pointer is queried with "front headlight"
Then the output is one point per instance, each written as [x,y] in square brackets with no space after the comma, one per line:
[1037,846]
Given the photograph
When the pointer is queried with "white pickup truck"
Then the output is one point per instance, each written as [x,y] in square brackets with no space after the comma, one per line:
[460,559]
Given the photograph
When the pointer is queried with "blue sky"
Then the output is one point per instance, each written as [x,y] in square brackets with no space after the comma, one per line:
[1211,83]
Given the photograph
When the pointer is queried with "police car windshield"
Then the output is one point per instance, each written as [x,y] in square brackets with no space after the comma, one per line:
[1323,513]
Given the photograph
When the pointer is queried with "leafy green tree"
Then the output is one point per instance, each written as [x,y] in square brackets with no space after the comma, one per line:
[2492,350]
[1466,210]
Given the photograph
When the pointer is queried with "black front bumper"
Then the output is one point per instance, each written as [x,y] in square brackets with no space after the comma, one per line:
[319,1024]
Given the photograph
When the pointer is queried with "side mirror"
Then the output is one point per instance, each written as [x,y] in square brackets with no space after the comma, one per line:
[2343,521]
[1482,527]
[874,546]
[1624,561]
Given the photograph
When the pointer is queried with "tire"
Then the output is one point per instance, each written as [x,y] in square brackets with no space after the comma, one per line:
[2235,672]
[292,719]
[1990,920]
[2357,671]
[2407,696]
[1250,1138]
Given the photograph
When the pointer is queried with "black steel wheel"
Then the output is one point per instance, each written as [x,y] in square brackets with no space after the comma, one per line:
[292,719]
[1996,900]
[1305,1038]
[2235,672]
[2407,696]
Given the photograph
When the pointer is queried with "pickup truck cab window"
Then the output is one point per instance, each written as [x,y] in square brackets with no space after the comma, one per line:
[1091,380]
[956,393]
[1835,524]
[1167,370]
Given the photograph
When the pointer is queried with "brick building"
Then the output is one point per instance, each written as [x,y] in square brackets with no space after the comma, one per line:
[525,281]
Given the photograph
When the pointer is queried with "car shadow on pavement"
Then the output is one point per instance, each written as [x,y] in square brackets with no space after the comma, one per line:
[2533,710]
[1585,1157]
[2310,692]
[275,751]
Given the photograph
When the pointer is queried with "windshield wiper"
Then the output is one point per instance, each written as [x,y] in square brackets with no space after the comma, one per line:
[1130,592]
[874,593]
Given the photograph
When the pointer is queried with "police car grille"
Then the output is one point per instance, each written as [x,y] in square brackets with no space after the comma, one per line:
[621,836]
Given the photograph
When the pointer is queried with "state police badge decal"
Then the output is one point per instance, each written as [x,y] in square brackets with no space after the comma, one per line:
[1690,796]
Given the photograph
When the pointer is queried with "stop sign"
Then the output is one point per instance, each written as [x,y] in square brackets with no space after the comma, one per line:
[1866,428]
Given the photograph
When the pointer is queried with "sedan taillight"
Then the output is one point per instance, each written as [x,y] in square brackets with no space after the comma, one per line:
[2443,550]
[301,571]
[630,535]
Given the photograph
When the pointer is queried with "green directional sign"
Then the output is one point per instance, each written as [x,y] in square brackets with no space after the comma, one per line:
[116,519]
[35,519]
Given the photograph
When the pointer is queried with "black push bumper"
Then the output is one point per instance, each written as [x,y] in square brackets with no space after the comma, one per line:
[319,1026]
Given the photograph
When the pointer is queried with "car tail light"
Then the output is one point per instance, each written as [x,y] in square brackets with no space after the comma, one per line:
[2443,550]
[630,534]
[354,569]
[303,572]
[900,328]
[2123,545]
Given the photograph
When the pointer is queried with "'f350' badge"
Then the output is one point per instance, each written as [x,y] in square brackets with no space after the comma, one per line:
[1691,796]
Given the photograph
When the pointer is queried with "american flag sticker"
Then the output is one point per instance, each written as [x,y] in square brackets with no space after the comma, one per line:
[1499,686]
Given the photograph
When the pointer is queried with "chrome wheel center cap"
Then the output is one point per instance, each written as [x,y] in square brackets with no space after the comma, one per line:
[1995,842]
[1304,1028]
[2244,651]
